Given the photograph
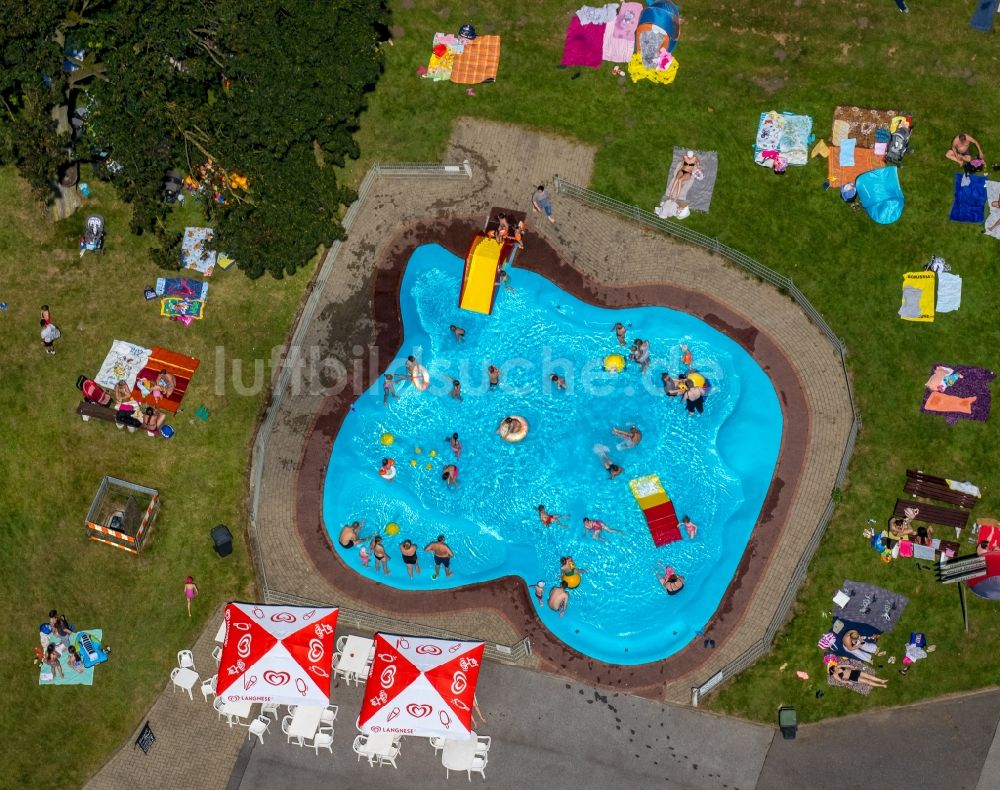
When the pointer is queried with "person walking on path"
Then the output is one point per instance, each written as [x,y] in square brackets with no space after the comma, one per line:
[190,591]
[50,334]
[541,202]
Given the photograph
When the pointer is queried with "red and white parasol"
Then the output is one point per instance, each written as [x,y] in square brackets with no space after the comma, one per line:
[280,654]
[421,686]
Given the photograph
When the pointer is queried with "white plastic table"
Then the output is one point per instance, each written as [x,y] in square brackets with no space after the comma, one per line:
[237,710]
[377,744]
[354,657]
[186,679]
[457,755]
[305,722]
[220,635]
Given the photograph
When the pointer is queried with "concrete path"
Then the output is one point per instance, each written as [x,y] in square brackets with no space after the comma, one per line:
[545,732]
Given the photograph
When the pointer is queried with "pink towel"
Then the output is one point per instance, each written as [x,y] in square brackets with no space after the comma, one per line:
[619,36]
[584,44]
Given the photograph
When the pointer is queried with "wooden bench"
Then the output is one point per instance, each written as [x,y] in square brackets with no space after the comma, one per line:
[919,484]
[88,410]
[933,514]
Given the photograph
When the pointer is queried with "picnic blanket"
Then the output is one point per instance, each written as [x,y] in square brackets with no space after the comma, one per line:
[970,198]
[968,397]
[865,160]
[993,220]
[123,363]
[478,61]
[180,366]
[70,677]
[784,132]
[619,35]
[871,605]
[949,296]
[918,296]
[181,286]
[174,306]
[861,123]
[696,192]
[446,47]
[194,250]
[584,44]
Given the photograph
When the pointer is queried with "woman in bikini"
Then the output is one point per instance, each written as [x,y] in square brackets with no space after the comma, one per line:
[378,552]
[848,674]
[683,174]
[548,519]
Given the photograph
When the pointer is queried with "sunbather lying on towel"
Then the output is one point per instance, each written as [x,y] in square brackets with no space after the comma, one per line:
[684,172]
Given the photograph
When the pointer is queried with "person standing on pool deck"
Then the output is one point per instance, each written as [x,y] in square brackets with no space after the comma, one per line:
[450,475]
[547,518]
[409,551]
[388,388]
[458,332]
[455,445]
[690,526]
[442,556]
[494,374]
[540,201]
[620,334]
[559,598]
[456,389]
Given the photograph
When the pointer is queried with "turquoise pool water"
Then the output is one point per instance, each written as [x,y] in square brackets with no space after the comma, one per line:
[716,466]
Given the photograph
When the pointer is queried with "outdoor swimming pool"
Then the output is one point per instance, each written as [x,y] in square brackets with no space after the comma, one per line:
[716,466]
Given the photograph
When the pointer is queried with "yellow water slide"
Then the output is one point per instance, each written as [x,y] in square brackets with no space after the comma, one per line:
[479,279]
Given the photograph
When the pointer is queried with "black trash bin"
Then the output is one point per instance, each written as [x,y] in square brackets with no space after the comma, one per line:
[788,721]
[222,539]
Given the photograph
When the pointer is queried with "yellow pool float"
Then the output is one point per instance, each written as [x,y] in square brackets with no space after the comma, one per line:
[614,363]
[387,439]
[392,528]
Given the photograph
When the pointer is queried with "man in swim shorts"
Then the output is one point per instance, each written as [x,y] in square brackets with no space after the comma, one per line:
[548,519]
[595,527]
[559,598]
[632,436]
[456,389]
[613,469]
[442,556]
[959,151]
[388,388]
[350,534]
[458,332]
[409,551]
[450,475]
[694,399]
[494,374]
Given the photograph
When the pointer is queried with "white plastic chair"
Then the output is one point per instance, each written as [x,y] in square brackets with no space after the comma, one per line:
[258,727]
[359,745]
[329,715]
[286,724]
[270,707]
[341,641]
[173,678]
[217,654]
[208,687]
[185,659]
[323,738]
[483,744]
[218,703]
[389,758]
[479,766]
[437,744]
[290,709]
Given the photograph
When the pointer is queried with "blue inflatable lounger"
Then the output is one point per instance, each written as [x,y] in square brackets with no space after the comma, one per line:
[881,195]
[90,650]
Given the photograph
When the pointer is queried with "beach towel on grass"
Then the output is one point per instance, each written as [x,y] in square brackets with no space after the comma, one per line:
[172,307]
[181,286]
[619,36]
[584,44]
[918,297]
[123,363]
[784,132]
[971,391]
[949,296]
[70,677]
[858,688]
[871,605]
[479,61]
[865,160]
[982,17]
[969,199]
[861,123]
[993,196]
[180,366]
[195,252]
[696,192]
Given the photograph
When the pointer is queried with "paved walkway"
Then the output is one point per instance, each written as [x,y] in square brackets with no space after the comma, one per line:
[507,162]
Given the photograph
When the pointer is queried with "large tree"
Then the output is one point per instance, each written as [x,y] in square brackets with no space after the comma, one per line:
[268,90]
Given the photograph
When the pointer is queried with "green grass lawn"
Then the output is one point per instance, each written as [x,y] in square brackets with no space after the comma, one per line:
[736,60]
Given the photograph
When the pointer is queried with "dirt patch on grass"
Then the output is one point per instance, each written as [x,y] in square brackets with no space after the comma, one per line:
[769,85]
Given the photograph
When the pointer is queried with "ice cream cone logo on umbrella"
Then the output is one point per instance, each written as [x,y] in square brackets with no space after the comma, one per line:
[319,671]
[258,613]
[249,681]
[309,615]
[402,644]
[392,714]
[455,647]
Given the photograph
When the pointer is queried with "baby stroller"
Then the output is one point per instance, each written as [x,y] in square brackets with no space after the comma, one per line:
[93,392]
[899,146]
[172,183]
[93,235]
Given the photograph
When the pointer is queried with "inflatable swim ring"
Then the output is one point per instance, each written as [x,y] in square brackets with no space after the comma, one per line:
[392,528]
[421,378]
[572,579]
[614,363]
[696,378]
[387,439]
[388,472]
[516,435]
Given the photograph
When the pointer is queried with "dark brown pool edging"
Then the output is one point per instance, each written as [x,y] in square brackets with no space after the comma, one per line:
[508,596]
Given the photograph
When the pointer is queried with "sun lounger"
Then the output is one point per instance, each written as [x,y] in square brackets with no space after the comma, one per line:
[933,514]
[920,484]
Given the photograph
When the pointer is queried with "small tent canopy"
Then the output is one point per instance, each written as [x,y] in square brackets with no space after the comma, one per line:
[122,514]
[881,195]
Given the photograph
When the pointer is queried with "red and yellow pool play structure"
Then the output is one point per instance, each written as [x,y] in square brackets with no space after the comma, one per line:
[487,254]
[661,518]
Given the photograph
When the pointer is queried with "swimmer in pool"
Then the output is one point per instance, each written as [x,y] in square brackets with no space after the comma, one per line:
[411,366]
[505,278]
[670,386]
[450,475]
[509,425]
[632,436]
[559,598]
[690,527]
[350,534]
[458,332]
[620,334]
[455,445]
[686,356]
[613,469]
[388,388]
[558,380]
[539,589]
[595,527]
[548,519]
[671,581]
[494,374]
[456,389]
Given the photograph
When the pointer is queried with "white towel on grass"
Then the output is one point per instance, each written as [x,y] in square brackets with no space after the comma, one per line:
[992,195]
[949,295]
